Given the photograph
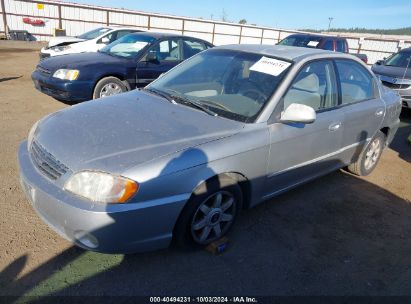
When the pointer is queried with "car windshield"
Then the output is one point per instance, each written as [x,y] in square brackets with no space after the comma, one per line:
[400,59]
[94,33]
[303,41]
[232,84]
[128,46]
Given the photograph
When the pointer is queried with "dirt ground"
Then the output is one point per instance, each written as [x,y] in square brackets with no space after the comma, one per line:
[338,235]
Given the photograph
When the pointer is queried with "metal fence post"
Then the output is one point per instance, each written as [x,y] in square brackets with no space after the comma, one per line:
[59,12]
[262,36]
[108,18]
[212,40]
[3,9]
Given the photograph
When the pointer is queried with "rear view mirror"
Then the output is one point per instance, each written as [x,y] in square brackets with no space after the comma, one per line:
[151,57]
[105,40]
[379,62]
[296,112]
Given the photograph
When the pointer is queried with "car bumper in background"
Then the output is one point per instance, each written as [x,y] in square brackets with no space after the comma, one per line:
[61,89]
[109,228]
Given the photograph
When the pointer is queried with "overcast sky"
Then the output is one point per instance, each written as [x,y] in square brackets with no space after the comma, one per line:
[293,14]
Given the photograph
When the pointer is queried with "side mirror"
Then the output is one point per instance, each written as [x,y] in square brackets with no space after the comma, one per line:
[379,62]
[151,57]
[296,112]
[105,40]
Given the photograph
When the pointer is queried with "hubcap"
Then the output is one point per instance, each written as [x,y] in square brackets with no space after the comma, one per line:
[213,217]
[373,153]
[110,89]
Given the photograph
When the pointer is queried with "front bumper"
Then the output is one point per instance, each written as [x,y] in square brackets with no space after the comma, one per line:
[401,86]
[108,228]
[406,101]
[62,89]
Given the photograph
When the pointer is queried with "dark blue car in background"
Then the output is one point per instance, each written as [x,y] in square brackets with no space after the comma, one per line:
[130,62]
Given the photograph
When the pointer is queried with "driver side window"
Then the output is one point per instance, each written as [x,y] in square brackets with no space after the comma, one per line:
[167,50]
[314,86]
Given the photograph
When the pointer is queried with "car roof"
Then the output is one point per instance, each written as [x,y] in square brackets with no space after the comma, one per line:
[291,53]
[315,35]
[118,27]
[159,35]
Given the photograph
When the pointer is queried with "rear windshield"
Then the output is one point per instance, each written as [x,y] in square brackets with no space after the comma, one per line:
[303,41]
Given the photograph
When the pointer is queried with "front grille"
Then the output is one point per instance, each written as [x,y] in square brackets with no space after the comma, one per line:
[395,86]
[43,70]
[46,163]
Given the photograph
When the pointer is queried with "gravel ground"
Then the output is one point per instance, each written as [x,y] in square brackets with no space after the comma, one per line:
[338,235]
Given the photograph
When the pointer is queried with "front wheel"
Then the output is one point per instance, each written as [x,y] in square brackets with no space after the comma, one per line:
[369,157]
[209,214]
[108,86]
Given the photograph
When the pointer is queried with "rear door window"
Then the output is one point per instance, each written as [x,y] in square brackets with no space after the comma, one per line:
[341,46]
[192,47]
[328,45]
[357,84]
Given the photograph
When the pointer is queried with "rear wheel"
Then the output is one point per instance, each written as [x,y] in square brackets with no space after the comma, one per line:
[369,157]
[108,86]
[209,214]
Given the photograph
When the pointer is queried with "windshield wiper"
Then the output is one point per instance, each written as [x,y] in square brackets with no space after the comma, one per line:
[160,93]
[194,103]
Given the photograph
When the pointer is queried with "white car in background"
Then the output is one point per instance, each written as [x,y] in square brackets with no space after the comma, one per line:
[91,41]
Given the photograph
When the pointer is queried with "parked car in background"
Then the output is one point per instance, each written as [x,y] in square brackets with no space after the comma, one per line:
[132,61]
[395,73]
[224,130]
[330,43]
[91,41]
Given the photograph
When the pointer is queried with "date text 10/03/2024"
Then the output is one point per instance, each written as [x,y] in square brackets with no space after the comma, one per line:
[203,300]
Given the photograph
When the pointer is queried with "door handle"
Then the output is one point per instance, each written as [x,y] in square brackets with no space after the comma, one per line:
[379,112]
[335,126]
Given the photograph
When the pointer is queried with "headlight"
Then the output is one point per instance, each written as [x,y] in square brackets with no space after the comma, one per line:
[101,187]
[65,74]
[61,48]
[32,131]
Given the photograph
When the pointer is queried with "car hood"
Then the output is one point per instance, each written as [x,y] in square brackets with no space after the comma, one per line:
[116,133]
[77,61]
[391,71]
[54,41]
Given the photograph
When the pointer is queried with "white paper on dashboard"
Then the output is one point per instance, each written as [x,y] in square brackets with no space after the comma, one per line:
[270,66]
[313,43]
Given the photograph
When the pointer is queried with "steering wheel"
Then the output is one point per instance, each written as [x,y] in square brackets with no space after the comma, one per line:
[253,91]
[255,94]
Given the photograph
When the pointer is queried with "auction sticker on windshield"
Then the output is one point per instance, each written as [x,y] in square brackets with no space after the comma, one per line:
[270,66]
[313,43]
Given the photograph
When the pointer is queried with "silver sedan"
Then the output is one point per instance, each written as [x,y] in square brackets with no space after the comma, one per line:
[225,130]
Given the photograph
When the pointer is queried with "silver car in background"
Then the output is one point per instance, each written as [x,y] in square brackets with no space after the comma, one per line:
[223,131]
[395,73]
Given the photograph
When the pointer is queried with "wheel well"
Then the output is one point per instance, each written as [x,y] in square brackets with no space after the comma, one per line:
[240,179]
[386,131]
[119,76]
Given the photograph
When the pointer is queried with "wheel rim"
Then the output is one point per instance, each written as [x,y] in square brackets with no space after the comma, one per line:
[373,153]
[110,89]
[213,217]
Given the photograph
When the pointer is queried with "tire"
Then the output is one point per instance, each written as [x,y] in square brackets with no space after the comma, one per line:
[369,157]
[205,212]
[108,86]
